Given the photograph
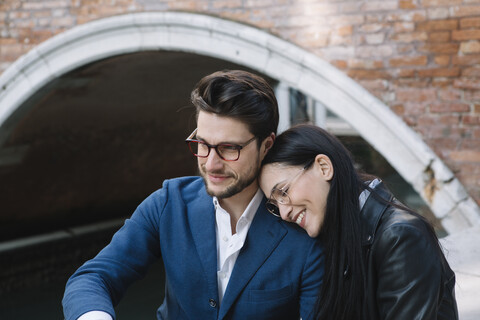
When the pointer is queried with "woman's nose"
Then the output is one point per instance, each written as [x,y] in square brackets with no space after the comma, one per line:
[285,211]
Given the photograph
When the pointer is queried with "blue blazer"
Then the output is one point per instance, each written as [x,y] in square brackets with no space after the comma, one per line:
[277,275]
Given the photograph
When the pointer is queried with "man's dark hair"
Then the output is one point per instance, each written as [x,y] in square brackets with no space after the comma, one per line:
[241,95]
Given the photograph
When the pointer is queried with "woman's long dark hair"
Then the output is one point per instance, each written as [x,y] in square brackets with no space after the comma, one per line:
[342,295]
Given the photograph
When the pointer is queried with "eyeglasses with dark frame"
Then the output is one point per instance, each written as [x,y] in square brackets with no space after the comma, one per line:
[280,195]
[226,151]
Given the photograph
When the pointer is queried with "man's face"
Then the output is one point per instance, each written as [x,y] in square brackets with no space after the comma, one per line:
[225,179]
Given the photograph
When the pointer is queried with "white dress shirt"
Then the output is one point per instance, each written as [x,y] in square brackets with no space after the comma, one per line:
[228,244]
[228,247]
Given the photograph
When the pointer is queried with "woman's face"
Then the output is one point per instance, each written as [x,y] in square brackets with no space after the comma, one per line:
[300,195]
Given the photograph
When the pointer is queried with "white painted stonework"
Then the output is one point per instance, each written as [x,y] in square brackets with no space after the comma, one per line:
[256,49]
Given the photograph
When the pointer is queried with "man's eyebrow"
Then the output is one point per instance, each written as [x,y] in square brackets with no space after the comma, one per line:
[222,142]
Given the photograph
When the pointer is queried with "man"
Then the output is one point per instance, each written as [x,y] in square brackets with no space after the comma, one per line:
[225,256]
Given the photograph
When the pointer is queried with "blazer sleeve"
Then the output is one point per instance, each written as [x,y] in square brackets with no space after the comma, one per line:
[100,283]
[312,280]
[409,272]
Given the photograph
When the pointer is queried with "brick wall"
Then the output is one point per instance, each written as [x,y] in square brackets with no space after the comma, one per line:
[420,57]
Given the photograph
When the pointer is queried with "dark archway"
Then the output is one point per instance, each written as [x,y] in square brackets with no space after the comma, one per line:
[93,143]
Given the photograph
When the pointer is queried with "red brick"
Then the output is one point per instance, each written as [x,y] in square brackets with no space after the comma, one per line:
[466,83]
[437,144]
[223,4]
[470,47]
[439,3]
[426,120]
[416,95]
[348,7]
[448,107]
[411,121]
[371,27]
[405,73]
[341,64]
[400,27]
[466,60]
[471,72]
[380,6]
[470,23]
[14,15]
[450,95]
[441,82]
[466,155]
[441,48]
[448,119]
[376,84]
[471,144]
[411,83]
[365,64]
[410,37]
[476,108]
[465,11]
[10,51]
[443,36]
[374,38]
[399,109]
[409,61]
[405,48]
[438,25]
[30,5]
[407,15]
[374,51]
[471,120]
[336,41]
[472,96]
[438,13]
[461,35]
[476,134]
[7,41]
[442,60]
[439,72]
[345,31]
[406,4]
[367,74]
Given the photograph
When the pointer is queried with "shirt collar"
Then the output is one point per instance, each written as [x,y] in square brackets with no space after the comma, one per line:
[251,209]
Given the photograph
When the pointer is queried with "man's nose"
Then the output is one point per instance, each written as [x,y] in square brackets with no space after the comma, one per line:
[214,162]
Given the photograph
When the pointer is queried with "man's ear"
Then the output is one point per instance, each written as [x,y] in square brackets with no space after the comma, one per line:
[324,166]
[267,144]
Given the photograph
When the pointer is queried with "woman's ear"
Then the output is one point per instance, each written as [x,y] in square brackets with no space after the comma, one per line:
[324,165]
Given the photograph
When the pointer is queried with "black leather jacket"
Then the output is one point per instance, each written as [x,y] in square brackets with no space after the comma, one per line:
[408,276]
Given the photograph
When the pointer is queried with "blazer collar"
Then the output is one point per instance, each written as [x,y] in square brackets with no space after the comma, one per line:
[201,217]
[263,237]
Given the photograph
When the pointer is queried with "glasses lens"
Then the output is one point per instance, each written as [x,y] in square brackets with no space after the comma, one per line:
[273,209]
[281,196]
[198,148]
[228,152]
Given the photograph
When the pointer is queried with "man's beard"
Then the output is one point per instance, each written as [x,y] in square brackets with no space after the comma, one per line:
[234,188]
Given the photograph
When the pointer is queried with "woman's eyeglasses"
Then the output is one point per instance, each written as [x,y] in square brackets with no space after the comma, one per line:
[280,195]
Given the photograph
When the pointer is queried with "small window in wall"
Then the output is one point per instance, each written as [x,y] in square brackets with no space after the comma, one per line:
[301,107]
[304,109]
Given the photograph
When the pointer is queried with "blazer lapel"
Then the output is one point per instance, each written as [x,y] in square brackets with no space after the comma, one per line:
[263,237]
[201,217]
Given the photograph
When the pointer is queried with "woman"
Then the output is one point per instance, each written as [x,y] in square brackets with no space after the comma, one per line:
[382,261]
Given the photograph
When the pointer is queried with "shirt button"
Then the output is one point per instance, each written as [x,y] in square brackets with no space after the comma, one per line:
[212,303]
[225,238]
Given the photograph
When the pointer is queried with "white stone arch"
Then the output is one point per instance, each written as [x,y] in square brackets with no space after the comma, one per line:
[256,49]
